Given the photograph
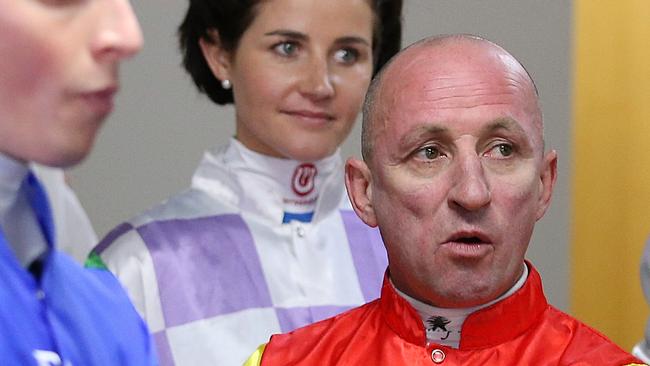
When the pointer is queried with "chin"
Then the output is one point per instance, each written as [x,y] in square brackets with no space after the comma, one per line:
[60,161]
[64,156]
[309,153]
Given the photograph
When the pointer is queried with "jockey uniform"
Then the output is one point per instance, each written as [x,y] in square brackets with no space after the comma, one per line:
[256,246]
[520,328]
[52,311]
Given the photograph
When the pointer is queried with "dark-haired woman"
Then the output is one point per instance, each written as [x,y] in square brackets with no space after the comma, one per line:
[264,240]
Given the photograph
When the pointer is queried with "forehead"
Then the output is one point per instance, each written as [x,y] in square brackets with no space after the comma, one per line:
[331,16]
[462,87]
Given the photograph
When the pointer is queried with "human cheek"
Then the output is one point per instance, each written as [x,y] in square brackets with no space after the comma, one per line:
[398,225]
[41,94]
[30,63]
[257,92]
[351,85]
[516,198]
[415,197]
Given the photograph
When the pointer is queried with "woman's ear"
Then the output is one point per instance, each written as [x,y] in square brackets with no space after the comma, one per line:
[215,55]
[358,182]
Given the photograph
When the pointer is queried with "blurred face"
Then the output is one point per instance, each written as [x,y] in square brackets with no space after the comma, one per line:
[299,75]
[58,74]
[457,178]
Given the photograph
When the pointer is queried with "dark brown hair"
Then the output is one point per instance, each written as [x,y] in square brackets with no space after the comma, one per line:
[231,18]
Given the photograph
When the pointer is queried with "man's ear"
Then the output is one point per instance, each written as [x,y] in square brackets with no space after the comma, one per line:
[217,58]
[548,176]
[358,182]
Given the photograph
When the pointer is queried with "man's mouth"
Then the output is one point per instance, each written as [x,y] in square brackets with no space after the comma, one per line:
[469,240]
[469,237]
[468,245]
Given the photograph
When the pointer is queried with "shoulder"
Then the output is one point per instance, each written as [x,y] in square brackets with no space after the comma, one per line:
[131,241]
[91,304]
[151,245]
[121,249]
[586,344]
[311,343]
[99,284]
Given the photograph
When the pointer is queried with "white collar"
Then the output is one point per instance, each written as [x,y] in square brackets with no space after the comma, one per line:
[17,219]
[267,186]
[443,325]
[12,173]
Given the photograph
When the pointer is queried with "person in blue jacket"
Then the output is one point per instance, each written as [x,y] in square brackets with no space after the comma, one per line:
[58,77]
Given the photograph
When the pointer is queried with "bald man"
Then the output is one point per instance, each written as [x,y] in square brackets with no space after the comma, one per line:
[455,175]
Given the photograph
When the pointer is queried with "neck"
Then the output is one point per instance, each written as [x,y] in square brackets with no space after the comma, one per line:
[444,325]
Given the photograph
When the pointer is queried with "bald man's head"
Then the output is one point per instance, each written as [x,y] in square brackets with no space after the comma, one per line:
[455,174]
[447,68]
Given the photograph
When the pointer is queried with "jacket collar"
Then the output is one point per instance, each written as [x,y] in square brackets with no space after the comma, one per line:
[487,327]
[241,178]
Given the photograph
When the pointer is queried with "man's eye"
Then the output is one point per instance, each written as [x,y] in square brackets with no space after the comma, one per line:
[500,151]
[286,48]
[505,149]
[429,153]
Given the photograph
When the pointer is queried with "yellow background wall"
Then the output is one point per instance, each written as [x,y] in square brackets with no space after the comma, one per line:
[611,166]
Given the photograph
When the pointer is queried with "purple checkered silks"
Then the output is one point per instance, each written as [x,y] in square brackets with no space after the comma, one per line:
[217,255]
[112,235]
[215,277]
[162,346]
[366,261]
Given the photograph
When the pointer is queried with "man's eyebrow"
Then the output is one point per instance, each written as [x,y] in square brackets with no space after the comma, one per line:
[429,130]
[504,123]
[419,132]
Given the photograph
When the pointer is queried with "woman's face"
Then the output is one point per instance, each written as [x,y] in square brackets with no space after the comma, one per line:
[299,75]
[59,73]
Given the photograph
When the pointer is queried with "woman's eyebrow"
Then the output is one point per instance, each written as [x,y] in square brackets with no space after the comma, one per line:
[353,40]
[288,33]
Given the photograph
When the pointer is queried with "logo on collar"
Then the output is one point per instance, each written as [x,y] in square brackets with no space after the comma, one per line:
[303,180]
[438,322]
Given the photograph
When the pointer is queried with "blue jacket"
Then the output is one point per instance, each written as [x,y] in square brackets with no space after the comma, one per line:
[70,317]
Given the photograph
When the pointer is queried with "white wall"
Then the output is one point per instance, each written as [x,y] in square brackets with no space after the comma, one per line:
[152,143]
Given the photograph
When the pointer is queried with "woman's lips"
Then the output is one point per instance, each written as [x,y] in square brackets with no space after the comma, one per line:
[310,116]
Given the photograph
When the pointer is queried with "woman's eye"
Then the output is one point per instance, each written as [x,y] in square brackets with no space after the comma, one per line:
[286,48]
[346,56]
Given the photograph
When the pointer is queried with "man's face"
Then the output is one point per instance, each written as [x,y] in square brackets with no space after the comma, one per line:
[458,176]
[58,74]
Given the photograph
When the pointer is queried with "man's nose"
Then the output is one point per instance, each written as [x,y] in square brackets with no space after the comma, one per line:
[316,79]
[118,34]
[470,189]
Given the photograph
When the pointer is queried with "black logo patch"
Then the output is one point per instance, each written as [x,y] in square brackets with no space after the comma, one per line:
[438,323]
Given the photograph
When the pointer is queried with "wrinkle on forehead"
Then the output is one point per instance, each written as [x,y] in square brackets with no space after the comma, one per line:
[464,84]
[458,80]
[464,74]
